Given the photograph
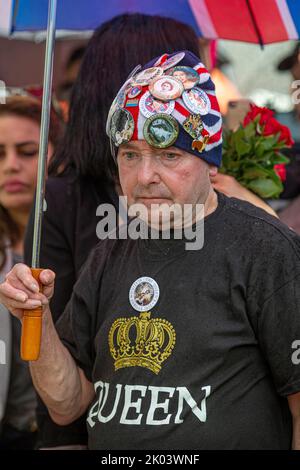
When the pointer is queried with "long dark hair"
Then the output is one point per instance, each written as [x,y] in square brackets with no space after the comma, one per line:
[114,50]
[30,108]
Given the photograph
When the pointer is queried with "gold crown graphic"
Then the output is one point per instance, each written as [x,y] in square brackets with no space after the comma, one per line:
[141,341]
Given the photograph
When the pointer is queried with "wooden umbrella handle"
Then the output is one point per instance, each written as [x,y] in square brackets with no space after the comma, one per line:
[32,327]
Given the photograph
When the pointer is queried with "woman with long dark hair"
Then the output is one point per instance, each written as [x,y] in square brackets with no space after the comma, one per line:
[20,120]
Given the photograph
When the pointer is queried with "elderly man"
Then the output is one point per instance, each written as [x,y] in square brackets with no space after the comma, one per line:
[168,347]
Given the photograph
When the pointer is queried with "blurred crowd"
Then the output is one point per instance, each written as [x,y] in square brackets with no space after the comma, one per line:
[81,175]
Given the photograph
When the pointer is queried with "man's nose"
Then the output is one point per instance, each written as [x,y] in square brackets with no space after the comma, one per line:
[12,163]
[148,172]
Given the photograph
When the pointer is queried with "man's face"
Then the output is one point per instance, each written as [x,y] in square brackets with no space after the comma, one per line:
[162,176]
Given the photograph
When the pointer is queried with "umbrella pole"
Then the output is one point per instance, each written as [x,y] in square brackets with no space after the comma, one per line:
[32,319]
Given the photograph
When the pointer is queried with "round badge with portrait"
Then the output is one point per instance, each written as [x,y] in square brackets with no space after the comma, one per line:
[144,294]
[134,91]
[122,126]
[150,106]
[188,76]
[161,130]
[166,88]
[197,101]
[145,76]
[173,60]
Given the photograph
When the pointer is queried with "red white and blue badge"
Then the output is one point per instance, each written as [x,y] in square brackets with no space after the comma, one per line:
[161,60]
[197,101]
[150,106]
[173,60]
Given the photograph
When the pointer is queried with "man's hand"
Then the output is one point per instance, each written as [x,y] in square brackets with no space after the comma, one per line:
[20,291]
[61,384]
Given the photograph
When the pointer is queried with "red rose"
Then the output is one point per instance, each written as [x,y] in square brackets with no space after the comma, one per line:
[265,114]
[286,136]
[281,171]
[272,127]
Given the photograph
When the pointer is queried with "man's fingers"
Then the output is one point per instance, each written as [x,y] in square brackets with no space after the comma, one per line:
[9,294]
[47,277]
[6,290]
[28,305]
[23,274]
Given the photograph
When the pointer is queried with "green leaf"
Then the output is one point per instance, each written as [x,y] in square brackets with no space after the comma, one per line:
[280,158]
[242,147]
[249,130]
[266,188]
[254,172]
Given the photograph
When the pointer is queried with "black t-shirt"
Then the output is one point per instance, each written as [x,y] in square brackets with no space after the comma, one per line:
[191,349]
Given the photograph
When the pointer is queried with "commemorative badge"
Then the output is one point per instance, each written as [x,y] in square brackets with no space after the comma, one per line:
[161,60]
[196,101]
[193,125]
[146,76]
[166,88]
[188,76]
[144,294]
[173,60]
[200,143]
[134,91]
[122,126]
[150,106]
[161,130]
[117,103]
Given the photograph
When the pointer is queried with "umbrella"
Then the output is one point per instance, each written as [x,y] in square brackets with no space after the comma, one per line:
[243,20]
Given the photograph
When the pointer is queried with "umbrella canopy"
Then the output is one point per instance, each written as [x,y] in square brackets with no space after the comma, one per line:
[243,20]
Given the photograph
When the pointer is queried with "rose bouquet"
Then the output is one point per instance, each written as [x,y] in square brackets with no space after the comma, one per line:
[252,153]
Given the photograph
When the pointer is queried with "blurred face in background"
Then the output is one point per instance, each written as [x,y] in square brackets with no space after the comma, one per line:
[19,147]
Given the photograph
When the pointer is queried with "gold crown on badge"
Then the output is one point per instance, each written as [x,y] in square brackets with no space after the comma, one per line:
[141,341]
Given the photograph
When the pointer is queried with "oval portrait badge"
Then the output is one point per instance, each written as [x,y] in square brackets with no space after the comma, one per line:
[161,130]
[173,60]
[188,76]
[144,294]
[166,88]
[145,76]
[134,91]
[197,101]
[150,106]
[122,126]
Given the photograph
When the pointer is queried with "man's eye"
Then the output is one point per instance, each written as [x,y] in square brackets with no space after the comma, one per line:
[171,156]
[130,155]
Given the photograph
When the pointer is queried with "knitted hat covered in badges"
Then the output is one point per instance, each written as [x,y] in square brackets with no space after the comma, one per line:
[171,101]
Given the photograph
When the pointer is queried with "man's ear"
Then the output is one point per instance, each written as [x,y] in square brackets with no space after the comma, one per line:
[213,170]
